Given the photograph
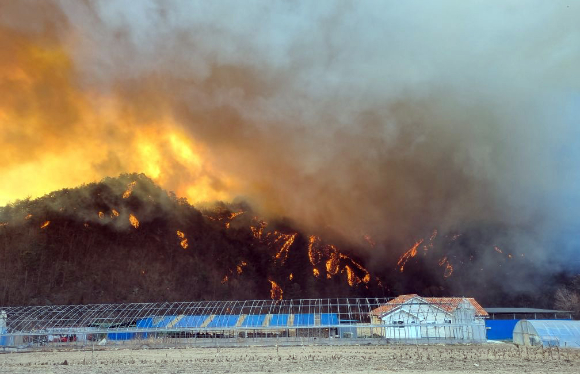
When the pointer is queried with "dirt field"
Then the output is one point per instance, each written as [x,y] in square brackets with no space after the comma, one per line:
[494,358]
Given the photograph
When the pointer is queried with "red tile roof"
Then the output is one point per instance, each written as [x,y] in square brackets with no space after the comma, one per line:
[448,304]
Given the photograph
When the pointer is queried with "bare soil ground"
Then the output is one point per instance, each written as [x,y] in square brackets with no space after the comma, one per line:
[488,358]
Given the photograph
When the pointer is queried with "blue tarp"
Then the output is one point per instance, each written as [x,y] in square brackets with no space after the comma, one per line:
[279,320]
[327,319]
[254,320]
[223,321]
[191,321]
[304,320]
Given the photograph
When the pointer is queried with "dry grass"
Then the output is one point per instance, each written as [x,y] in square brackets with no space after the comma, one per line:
[496,358]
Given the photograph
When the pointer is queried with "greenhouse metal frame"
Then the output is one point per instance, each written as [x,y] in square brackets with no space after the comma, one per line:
[226,323]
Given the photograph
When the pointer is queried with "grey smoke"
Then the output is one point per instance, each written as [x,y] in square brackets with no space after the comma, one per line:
[386,118]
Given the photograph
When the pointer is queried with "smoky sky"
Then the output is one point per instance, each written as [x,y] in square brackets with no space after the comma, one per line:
[385,118]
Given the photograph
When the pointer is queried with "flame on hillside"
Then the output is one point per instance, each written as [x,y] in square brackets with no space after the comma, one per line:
[134,221]
[45,224]
[412,252]
[129,190]
[183,241]
[114,213]
[276,293]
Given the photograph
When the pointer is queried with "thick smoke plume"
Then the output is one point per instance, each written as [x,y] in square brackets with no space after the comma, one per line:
[386,119]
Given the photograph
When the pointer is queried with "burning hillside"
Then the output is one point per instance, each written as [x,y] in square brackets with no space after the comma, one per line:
[125,239]
[99,243]
[373,146]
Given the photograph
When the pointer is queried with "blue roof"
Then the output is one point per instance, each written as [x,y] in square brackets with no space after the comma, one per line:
[223,321]
[279,320]
[254,320]
[304,320]
[191,321]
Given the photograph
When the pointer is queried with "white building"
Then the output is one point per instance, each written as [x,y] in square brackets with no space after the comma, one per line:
[419,318]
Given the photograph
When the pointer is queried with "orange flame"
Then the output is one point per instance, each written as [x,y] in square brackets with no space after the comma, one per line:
[313,255]
[240,267]
[352,279]
[45,224]
[129,189]
[315,272]
[412,252]
[332,264]
[28,216]
[259,229]
[291,276]
[134,221]
[114,213]
[288,239]
[101,215]
[183,242]
[2,224]
[225,279]
[276,293]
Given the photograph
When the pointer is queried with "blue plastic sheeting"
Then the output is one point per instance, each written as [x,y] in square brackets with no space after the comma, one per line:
[500,329]
[304,320]
[254,320]
[548,333]
[327,319]
[161,324]
[145,323]
[191,321]
[121,335]
[279,320]
[223,321]
[4,339]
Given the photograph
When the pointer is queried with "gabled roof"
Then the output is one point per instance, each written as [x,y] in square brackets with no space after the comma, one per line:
[448,304]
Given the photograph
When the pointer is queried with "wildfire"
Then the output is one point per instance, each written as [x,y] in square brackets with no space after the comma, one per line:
[412,252]
[2,224]
[313,255]
[240,267]
[129,189]
[259,229]
[291,276]
[287,239]
[352,279]
[183,241]
[333,263]
[101,215]
[114,213]
[225,279]
[45,224]
[316,272]
[28,216]
[497,249]
[134,221]
[276,293]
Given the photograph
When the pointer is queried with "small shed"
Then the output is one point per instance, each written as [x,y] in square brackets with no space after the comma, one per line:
[547,333]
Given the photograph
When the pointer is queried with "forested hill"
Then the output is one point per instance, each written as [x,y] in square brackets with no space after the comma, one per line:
[125,239]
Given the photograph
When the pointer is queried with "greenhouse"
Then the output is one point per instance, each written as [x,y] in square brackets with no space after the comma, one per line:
[217,323]
[547,333]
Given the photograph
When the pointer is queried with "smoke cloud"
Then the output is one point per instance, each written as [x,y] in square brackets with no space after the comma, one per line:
[388,119]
